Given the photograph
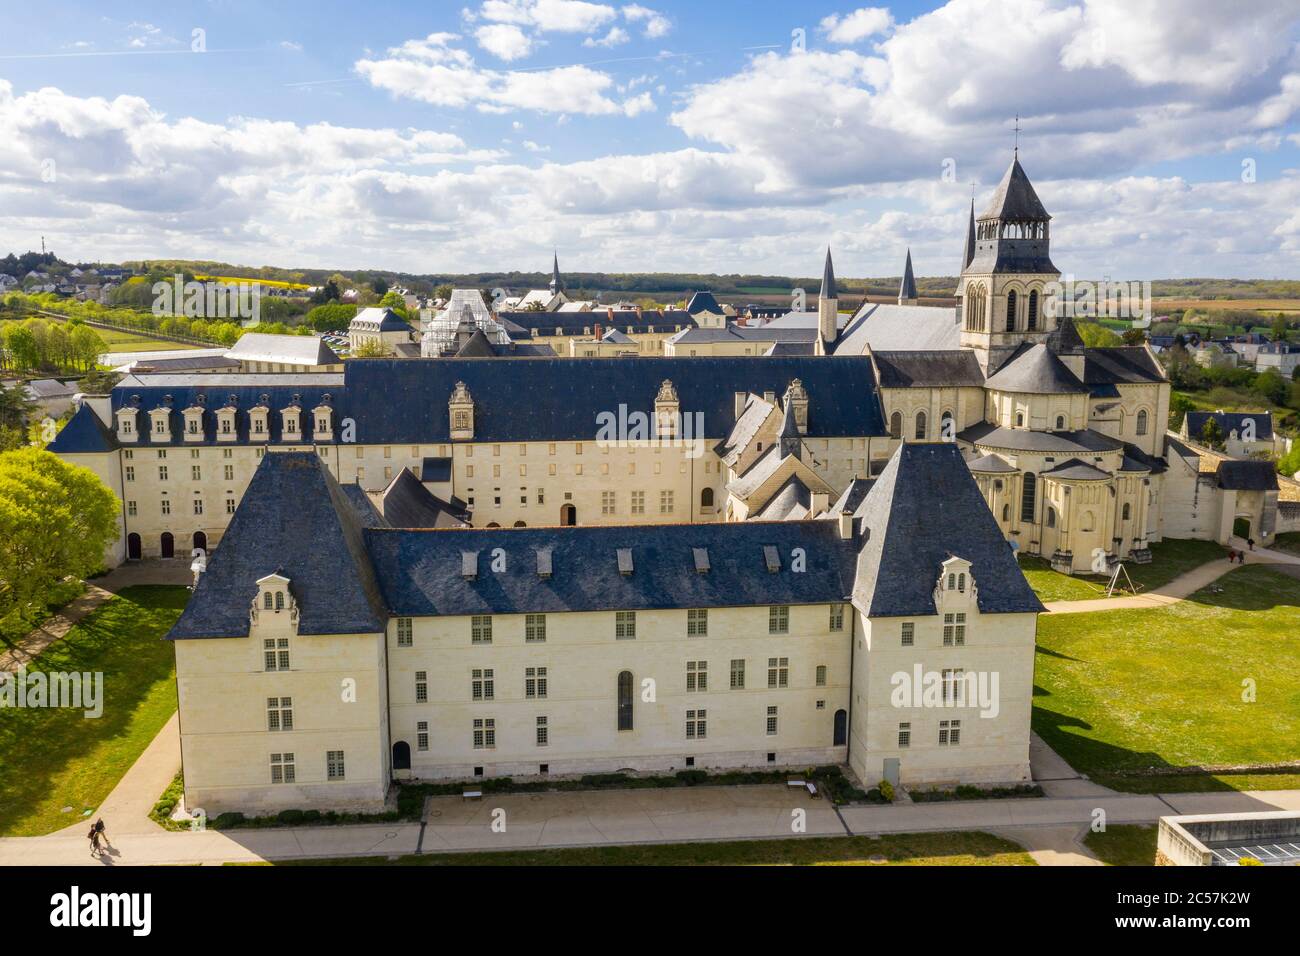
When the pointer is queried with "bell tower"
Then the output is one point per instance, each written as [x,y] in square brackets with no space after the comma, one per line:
[1005,270]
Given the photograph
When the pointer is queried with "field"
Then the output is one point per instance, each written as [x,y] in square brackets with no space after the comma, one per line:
[119,341]
[1124,845]
[52,759]
[274,283]
[959,848]
[1210,681]
[1212,305]
[1169,559]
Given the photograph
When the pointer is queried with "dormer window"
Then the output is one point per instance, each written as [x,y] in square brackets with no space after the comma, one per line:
[162,426]
[323,417]
[126,424]
[289,418]
[226,424]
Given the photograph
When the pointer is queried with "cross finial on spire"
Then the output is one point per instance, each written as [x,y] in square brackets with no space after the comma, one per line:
[1017,149]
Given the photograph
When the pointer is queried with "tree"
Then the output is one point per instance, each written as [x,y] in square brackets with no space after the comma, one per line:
[16,411]
[55,521]
[442,292]
[1133,336]
[1272,386]
[1179,406]
[1212,433]
[380,287]
[333,317]
[329,292]
[370,349]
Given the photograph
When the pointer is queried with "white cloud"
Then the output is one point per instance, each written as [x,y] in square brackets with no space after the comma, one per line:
[656,24]
[856,26]
[641,103]
[504,41]
[433,71]
[560,16]
[291,46]
[615,37]
[535,148]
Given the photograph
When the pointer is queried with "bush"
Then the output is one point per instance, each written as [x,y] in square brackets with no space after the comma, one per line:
[887,791]
[692,777]
[290,816]
[227,820]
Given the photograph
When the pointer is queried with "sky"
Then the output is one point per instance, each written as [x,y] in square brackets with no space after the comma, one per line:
[733,136]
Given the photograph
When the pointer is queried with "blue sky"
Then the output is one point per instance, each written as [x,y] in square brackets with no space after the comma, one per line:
[443,137]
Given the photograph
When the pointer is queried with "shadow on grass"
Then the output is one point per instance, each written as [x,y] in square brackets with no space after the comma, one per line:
[1048,652]
[121,640]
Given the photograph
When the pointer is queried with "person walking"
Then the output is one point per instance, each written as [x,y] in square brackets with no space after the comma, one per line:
[94,841]
[101,831]
[1232,555]
[1251,543]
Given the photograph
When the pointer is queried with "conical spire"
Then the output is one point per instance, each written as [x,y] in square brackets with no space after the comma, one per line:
[907,288]
[791,443]
[828,278]
[1015,199]
[968,253]
[556,285]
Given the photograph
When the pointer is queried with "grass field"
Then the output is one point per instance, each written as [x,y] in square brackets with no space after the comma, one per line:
[1211,305]
[1288,541]
[55,758]
[275,283]
[1169,559]
[1124,691]
[1124,845]
[959,848]
[119,341]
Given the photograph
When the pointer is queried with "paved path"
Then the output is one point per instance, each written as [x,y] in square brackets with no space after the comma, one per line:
[1180,587]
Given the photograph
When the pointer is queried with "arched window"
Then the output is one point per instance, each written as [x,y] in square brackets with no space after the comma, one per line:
[946,430]
[896,425]
[1142,422]
[961,583]
[1027,496]
[1060,423]
[1011,311]
[1031,319]
[267,599]
[279,600]
[1006,512]
[920,425]
[1020,419]
[1127,512]
[625,700]
[952,581]
[1051,517]
[706,499]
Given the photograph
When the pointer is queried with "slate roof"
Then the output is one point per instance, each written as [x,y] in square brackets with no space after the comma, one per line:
[419,572]
[803,320]
[1034,369]
[923,369]
[968,248]
[520,324]
[1122,365]
[42,388]
[791,502]
[1078,442]
[792,348]
[744,333]
[703,302]
[286,349]
[852,496]
[903,328]
[752,416]
[1234,475]
[435,469]
[83,434]
[406,503]
[1015,199]
[375,319]
[1072,469]
[924,508]
[991,464]
[200,363]
[1231,421]
[294,520]
[907,288]
[828,278]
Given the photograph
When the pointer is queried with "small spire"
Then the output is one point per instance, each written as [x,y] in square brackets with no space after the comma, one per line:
[791,443]
[968,252]
[556,285]
[828,278]
[907,288]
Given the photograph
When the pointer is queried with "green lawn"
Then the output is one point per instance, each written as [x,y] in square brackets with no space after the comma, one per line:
[1288,541]
[1124,845]
[960,848]
[55,758]
[1122,691]
[1169,559]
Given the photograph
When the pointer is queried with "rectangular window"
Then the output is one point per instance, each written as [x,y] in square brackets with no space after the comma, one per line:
[837,617]
[334,765]
[282,768]
[778,672]
[482,685]
[130,509]
[535,628]
[954,686]
[625,625]
[421,686]
[697,622]
[198,506]
[778,619]
[771,721]
[697,675]
[665,502]
[162,472]
[543,732]
[638,502]
[279,713]
[485,733]
[480,629]
[607,502]
[165,506]
[949,733]
[196,473]
[738,674]
[904,735]
[422,735]
[230,506]
[909,633]
[954,629]
[821,675]
[275,652]
[535,682]
[697,724]
[229,471]
[130,473]
[405,636]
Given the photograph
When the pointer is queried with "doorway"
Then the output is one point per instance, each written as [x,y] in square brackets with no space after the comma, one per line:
[568,516]
[133,546]
[168,545]
[841,735]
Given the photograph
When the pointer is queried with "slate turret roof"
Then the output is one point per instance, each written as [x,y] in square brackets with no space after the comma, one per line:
[907,288]
[925,508]
[1015,199]
[1036,370]
[828,278]
[83,434]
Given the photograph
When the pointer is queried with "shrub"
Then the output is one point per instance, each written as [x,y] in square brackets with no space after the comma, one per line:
[290,816]
[887,791]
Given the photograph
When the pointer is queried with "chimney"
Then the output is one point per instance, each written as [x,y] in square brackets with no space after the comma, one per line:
[599,331]
[846,525]
[820,502]
[740,404]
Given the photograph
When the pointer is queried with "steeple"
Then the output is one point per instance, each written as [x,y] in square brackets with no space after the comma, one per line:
[828,313]
[907,288]
[555,284]
[968,251]
[791,443]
